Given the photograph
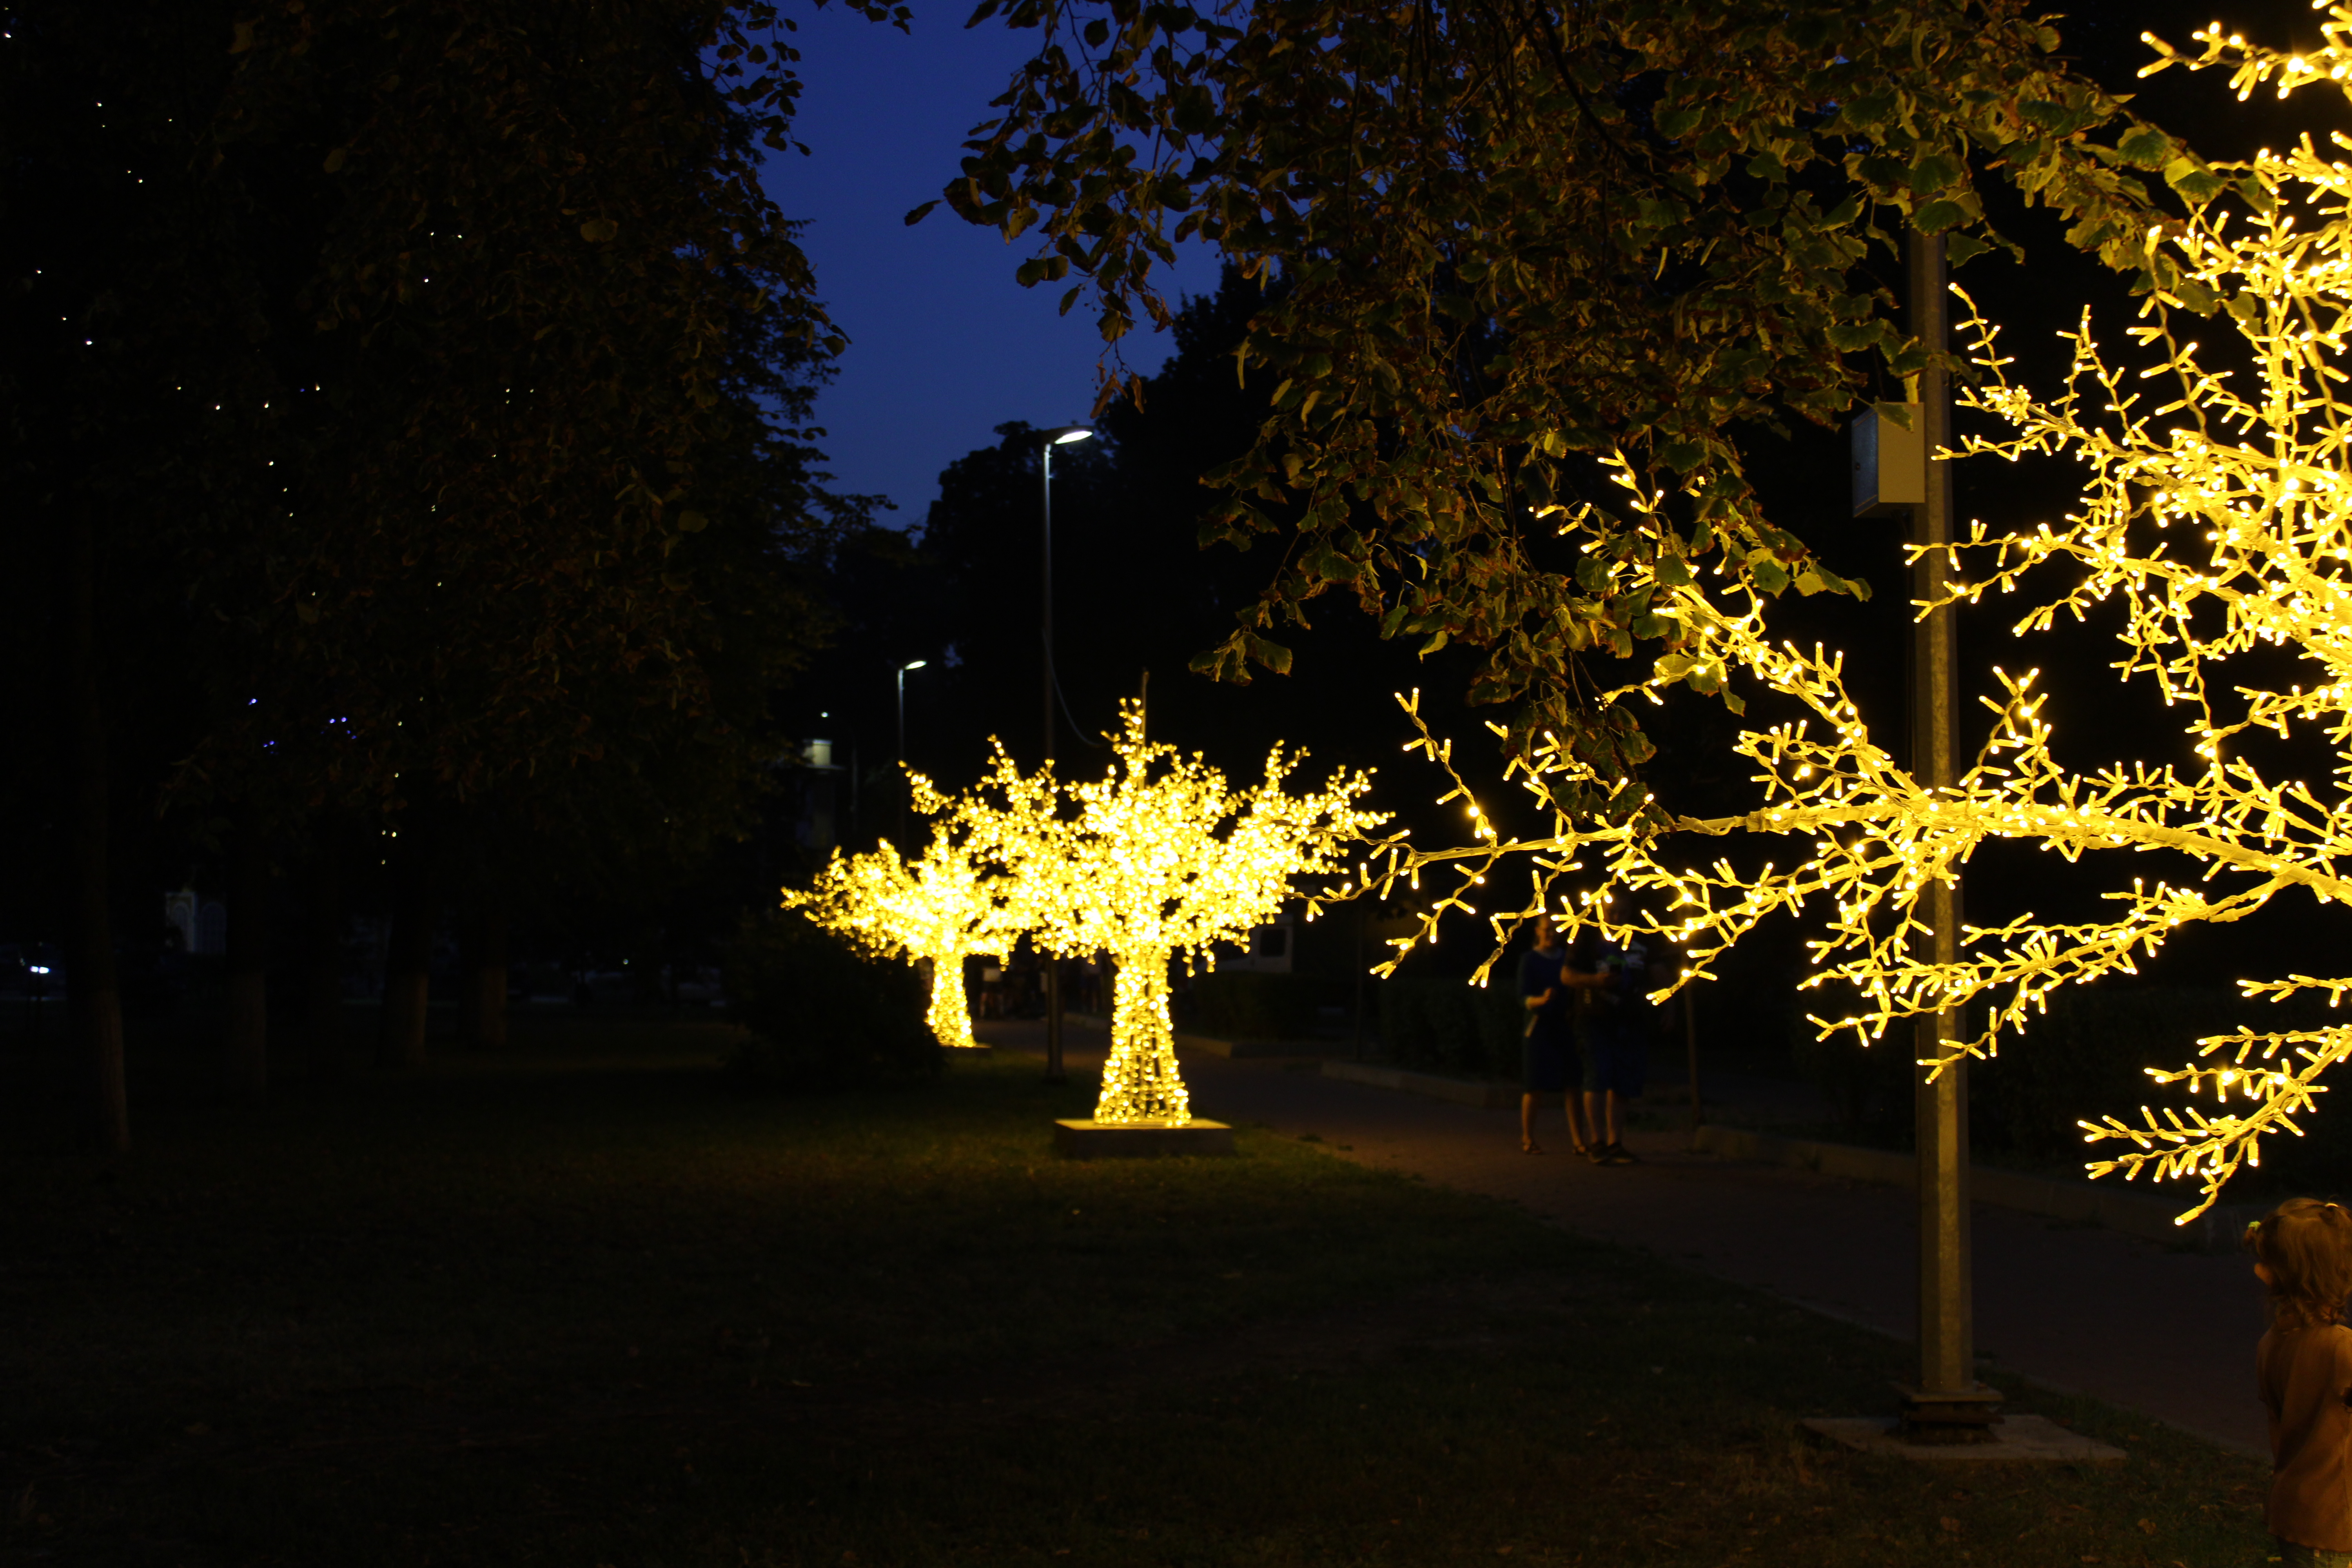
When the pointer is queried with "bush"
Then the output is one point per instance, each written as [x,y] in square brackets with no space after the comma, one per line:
[1449,1026]
[1863,1085]
[2087,1058]
[1238,1004]
[821,1015]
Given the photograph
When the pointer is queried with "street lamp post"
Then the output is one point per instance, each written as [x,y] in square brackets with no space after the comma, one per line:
[1896,471]
[902,669]
[1046,441]
[1948,1400]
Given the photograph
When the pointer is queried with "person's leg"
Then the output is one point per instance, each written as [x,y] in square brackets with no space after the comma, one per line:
[1573,1102]
[1618,1153]
[1527,1123]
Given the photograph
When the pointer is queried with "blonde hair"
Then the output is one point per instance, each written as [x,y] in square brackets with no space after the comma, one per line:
[2306,1246]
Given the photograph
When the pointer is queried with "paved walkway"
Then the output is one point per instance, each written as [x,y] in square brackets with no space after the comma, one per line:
[2168,1333]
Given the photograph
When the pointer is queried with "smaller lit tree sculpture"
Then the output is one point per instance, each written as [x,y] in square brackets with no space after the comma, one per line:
[942,907]
[1162,858]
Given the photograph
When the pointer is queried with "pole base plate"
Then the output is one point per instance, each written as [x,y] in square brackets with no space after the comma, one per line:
[2030,1439]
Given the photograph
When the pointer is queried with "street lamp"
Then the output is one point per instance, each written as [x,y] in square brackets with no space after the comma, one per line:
[1900,470]
[902,669]
[1047,440]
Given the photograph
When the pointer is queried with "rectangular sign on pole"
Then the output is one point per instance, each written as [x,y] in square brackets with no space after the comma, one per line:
[1890,461]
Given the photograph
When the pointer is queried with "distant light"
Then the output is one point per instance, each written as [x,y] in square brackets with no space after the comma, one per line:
[915,664]
[40,968]
[1074,433]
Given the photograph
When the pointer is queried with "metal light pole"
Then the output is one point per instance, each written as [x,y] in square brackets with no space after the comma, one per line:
[902,669]
[1895,471]
[1948,1401]
[1046,441]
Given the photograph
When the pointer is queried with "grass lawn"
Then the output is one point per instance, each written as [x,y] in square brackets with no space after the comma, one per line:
[580,1304]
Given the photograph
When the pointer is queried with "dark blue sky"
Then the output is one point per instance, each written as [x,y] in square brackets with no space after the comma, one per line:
[944,346]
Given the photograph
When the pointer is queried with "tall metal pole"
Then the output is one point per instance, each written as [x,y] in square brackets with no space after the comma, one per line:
[1948,1401]
[902,757]
[1054,1073]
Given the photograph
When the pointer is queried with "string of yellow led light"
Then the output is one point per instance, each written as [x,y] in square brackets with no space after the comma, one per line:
[2267,251]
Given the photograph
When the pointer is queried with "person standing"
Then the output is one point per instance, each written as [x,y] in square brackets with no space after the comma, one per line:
[1547,1045]
[1611,1028]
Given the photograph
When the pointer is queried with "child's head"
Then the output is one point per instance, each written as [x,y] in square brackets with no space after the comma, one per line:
[2304,1250]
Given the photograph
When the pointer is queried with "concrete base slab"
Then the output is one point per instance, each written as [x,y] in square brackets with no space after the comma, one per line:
[1076,1140]
[2034,1438]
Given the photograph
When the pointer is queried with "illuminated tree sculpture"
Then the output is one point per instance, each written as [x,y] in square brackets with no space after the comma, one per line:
[1160,859]
[942,909]
[2218,521]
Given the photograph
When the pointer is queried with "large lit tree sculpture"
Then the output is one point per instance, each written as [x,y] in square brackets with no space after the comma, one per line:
[939,909]
[1160,859]
[2219,520]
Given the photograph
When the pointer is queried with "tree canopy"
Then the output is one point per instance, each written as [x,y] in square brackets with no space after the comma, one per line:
[1519,239]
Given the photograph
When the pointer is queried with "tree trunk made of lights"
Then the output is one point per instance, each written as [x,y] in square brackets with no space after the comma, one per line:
[1140,1079]
[950,1014]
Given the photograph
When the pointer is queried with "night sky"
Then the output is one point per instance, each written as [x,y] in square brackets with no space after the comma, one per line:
[944,346]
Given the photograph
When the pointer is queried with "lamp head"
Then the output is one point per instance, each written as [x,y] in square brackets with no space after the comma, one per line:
[915,664]
[1067,434]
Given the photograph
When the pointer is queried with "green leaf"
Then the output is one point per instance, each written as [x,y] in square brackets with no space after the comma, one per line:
[599,229]
[2192,179]
[1961,249]
[1676,123]
[692,523]
[920,213]
[334,160]
[1938,216]
[1272,655]
[2145,148]
[1935,172]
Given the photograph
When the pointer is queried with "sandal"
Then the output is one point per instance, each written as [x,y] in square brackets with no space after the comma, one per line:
[1528,1146]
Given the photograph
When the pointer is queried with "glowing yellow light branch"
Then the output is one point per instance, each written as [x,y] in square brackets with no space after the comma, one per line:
[940,908]
[1160,859]
[2219,521]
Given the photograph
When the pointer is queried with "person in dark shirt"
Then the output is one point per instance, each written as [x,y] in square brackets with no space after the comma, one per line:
[1611,1035]
[1547,1049]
